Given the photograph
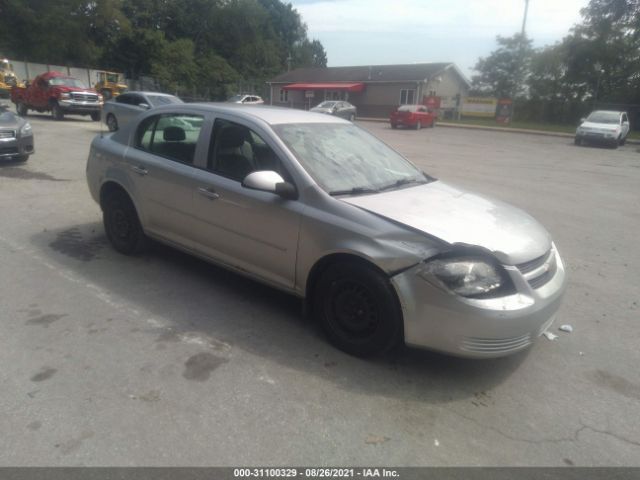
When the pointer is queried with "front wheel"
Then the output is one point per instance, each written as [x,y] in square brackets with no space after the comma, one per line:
[577,141]
[21,109]
[56,112]
[358,309]
[122,225]
[394,126]
[95,116]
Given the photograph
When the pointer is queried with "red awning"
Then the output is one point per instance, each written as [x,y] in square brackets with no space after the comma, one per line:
[347,87]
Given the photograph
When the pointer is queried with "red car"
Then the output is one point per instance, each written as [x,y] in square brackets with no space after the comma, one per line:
[416,116]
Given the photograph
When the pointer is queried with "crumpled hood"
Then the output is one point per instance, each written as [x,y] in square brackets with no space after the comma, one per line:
[456,216]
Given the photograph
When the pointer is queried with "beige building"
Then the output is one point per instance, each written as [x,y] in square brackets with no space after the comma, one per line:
[375,90]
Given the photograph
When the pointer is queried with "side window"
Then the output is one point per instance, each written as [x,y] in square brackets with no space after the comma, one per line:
[624,118]
[236,151]
[124,98]
[171,135]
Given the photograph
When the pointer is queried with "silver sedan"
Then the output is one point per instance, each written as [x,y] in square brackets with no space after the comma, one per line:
[16,136]
[120,110]
[381,252]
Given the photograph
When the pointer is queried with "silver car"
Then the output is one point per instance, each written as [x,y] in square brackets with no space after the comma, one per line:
[314,205]
[120,110]
[16,136]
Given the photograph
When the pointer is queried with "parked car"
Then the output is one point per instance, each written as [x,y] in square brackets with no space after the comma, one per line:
[320,208]
[122,109]
[338,108]
[605,127]
[415,116]
[16,136]
[246,99]
[59,94]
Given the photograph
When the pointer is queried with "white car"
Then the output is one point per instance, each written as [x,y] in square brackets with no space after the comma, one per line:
[605,127]
[246,99]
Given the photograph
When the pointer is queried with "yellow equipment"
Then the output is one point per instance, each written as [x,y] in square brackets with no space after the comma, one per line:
[110,84]
[8,78]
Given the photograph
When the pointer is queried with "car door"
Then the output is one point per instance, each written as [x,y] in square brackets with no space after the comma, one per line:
[625,125]
[251,230]
[162,162]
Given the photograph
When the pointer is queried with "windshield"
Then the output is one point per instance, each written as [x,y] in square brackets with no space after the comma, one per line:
[113,78]
[236,98]
[407,108]
[343,158]
[604,117]
[157,100]
[326,105]
[67,82]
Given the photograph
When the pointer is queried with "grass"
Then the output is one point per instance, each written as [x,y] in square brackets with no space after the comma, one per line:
[545,127]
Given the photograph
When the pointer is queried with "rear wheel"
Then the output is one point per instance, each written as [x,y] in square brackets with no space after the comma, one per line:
[56,111]
[394,126]
[112,122]
[95,116]
[121,223]
[357,309]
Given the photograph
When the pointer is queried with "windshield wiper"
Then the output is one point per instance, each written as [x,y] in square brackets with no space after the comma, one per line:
[404,181]
[353,191]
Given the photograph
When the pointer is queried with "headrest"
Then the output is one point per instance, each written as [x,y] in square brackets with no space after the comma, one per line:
[232,137]
[174,134]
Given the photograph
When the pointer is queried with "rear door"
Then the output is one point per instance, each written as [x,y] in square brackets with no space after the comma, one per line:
[162,168]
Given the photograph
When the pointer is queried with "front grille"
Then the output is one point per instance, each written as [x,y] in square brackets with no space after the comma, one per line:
[8,150]
[84,97]
[7,134]
[539,271]
[495,345]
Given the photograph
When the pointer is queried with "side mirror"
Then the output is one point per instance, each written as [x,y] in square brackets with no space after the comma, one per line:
[270,181]
[146,106]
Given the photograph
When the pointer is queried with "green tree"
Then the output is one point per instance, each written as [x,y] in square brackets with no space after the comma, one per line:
[504,72]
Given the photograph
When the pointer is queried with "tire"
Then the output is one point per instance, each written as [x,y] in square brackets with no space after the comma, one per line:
[112,122]
[394,126]
[577,141]
[106,94]
[352,117]
[622,140]
[418,125]
[21,109]
[122,225]
[357,308]
[95,116]
[56,112]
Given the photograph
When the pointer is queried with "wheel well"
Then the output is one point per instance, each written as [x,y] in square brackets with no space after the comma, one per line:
[321,265]
[108,188]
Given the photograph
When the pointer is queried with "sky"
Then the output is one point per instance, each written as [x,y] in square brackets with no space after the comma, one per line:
[379,32]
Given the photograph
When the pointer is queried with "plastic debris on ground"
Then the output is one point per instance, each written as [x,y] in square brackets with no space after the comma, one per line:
[566,328]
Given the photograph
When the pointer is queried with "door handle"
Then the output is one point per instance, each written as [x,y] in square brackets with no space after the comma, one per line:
[209,193]
[139,170]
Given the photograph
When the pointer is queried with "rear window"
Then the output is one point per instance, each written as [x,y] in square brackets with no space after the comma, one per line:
[407,108]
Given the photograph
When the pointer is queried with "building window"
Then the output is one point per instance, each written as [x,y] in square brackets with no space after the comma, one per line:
[284,95]
[407,96]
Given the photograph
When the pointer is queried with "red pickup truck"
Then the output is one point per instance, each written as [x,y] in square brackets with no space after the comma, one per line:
[59,94]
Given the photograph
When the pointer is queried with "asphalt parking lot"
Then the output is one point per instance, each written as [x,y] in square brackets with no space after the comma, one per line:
[165,360]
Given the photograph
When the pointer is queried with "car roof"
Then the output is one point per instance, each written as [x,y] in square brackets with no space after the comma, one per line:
[269,114]
[619,112]
[141,92]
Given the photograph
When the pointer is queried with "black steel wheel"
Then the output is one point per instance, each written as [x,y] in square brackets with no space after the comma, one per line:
[358,309]
[112,122]
[121,223]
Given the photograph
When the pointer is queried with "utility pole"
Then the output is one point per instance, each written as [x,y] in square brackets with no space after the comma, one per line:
[524,20]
